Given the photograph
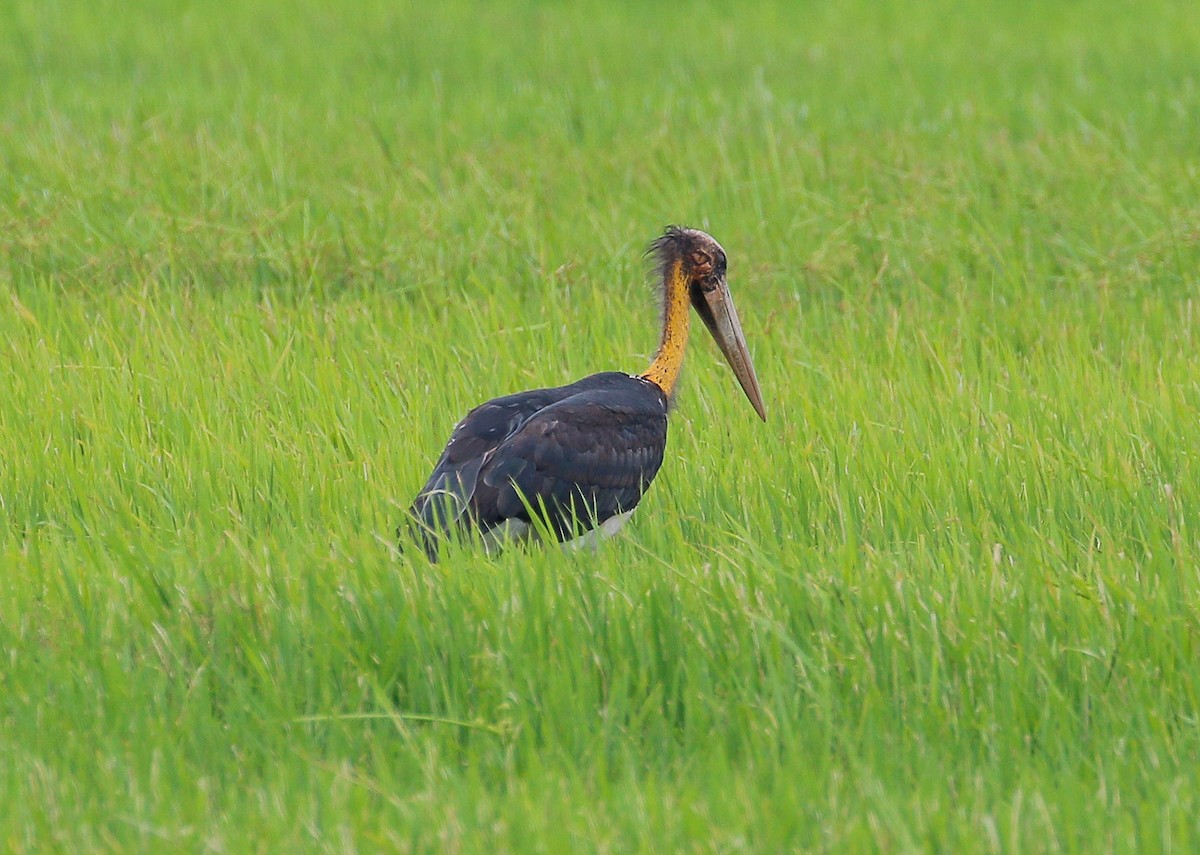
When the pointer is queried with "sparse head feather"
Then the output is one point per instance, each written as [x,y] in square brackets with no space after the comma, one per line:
[700,253]
[702,259]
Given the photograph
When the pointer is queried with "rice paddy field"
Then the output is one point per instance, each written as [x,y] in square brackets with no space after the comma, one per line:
[257,258]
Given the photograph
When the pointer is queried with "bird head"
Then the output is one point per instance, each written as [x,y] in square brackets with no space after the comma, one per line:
[701,262]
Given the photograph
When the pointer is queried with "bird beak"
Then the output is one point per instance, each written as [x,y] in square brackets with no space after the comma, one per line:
[716,309]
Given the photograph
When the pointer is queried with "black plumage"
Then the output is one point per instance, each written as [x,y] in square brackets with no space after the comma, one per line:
[577,455]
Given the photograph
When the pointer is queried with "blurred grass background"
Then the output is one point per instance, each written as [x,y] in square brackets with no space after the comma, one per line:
[258,258]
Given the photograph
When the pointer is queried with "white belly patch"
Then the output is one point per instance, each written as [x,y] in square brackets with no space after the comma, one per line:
[592,539]
[509,531]
[515,531]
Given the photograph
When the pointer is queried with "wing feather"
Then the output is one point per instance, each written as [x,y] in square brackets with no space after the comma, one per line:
[576,455]
[577,462]
[444,499]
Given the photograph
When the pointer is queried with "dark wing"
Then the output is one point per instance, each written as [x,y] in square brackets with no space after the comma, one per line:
[575,463]
[444,498]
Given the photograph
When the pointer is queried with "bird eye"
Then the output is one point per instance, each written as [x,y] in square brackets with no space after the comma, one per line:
[701,263]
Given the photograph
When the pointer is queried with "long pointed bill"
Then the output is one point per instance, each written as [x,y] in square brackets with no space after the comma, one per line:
[716,309]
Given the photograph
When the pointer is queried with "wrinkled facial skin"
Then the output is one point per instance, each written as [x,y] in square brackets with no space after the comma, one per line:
[705,261]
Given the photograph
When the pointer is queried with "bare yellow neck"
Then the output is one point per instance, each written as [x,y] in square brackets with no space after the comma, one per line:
[668,361]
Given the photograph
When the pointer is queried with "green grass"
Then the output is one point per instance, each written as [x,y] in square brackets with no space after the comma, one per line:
[256,259]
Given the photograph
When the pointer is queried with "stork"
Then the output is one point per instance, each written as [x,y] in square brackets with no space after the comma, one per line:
[575,460]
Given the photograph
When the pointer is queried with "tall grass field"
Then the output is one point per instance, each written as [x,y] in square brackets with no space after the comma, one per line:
[256,259]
